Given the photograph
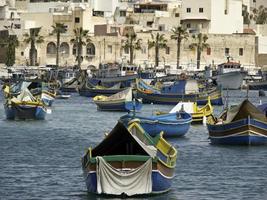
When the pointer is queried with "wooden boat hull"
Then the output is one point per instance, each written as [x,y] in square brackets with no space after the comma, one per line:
[153,126]
[243,132]
[47,98]
[123,106]
[25,112]
[215,98]
[161,175]
[92,92]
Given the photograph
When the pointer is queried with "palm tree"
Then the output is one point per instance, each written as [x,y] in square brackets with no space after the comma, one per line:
[179,34]
[10,43]
[79,36]
[132,43]
[58,28]
[159,42]
[199,45]
[33,38]
[260,15]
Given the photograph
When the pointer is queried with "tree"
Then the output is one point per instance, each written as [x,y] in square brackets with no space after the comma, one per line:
[260,15]
[132,44]
[247,17]
[80,39]
[11,42]
[178,34]
[33,38]
[199,45]
[58,28]
[158,42]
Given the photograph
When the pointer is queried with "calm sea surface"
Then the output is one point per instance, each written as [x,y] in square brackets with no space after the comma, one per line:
[41,159]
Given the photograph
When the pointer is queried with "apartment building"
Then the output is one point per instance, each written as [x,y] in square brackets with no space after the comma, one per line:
[212,16]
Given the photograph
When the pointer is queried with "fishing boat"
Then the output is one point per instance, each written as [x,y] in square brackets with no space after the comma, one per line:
[129,162]
[230,75]
[172,124]
[93,91]
[199,114]
[183,90]
[122,101]
[25,106]
[239,125]
[48,97]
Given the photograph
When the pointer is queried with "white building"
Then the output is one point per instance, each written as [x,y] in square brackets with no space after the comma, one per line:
[213,16]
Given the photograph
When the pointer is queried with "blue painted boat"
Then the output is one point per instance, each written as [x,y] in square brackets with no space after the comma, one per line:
[48,97]
[122,101]
[241,125]
[24,106]
[129,162]
[172,124]
[176,93]
[92,91]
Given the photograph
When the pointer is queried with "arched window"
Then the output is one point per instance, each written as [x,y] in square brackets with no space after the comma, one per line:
[75,50]
[64,48]
[51,48]
[90,49]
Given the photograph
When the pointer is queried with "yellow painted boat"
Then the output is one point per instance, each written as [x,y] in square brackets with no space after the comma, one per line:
[199,114]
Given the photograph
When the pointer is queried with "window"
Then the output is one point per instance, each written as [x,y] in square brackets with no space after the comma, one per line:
[188,25]
[64,48]
[167,51]
[22,53]
[17,26]
[162,27]
[177,14]
[110,48]
[126,50]
[90,49]
[123,13]
[208,51]
[149,23]
[143,50]
[188,10]
[241,51]
[51,48]
[227,51]
[201,10]
[77,19]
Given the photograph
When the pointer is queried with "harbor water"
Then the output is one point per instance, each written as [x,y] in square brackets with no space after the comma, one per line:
[42,159]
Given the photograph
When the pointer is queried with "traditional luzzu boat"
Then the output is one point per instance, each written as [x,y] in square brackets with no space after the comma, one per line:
[48,97]
[240,125]
[129,162]
[183,90]
[93,91]
[122,101]
[173,124]
[25,106]
[199,114]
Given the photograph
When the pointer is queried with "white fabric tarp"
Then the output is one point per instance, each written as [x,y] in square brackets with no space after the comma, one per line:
[187,107]
[25,95]
[130,182]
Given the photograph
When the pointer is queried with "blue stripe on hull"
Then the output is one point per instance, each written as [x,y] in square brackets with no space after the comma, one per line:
[160,183]
[47,102]
[123,107]
[240,140]
[168,129]
[93,93]
[12,114]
